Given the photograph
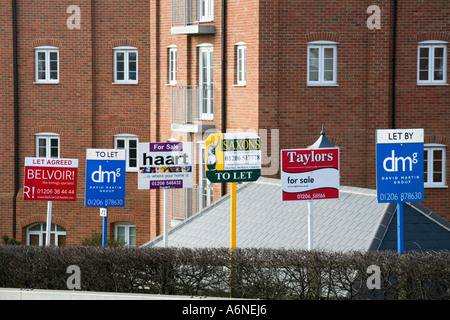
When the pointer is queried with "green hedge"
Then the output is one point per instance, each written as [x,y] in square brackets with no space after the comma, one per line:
[247,273]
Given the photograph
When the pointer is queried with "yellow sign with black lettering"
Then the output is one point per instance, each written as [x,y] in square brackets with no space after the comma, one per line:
[233,157]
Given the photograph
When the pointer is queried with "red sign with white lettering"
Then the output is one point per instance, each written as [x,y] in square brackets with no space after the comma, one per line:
[310,174]
[50,179]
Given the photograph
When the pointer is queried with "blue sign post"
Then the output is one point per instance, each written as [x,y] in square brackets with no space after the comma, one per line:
[105,182]
[400,170]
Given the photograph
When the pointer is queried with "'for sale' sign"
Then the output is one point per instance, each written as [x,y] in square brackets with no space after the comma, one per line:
[310,174]
[50,179]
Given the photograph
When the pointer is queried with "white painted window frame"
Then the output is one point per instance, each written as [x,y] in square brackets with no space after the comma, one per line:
[431,45]
[206,10]
[126,226]
[127,138]
[47,137]
[429,166]
[173,64]
[241,63]
[126,50]
[321,46]
[46,50]
[208,114]
[54,229]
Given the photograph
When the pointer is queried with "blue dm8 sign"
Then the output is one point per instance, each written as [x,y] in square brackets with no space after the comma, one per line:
[105,178]
[400,165]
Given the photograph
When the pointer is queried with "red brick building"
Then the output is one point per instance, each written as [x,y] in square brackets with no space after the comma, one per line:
[110,74]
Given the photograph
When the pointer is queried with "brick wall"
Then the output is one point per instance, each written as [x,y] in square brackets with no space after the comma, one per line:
[7,120]
[122,108]
[362,102]
[86,109]
[418,106]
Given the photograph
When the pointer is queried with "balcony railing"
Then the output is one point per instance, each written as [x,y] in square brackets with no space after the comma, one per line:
[191,104]
[188,14]
[186,202]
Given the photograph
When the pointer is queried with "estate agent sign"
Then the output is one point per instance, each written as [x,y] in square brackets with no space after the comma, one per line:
[166,165]
[310,174]
[50,179]
[105,178]
[399,160]
[233,157]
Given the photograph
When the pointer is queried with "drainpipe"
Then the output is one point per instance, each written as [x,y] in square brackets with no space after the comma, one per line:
[394,51]
[224,74]
[16,116]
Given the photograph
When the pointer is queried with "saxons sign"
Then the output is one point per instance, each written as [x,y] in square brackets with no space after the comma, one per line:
[233,157]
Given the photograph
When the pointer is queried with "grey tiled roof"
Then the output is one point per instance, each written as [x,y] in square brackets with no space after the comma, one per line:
[355,221]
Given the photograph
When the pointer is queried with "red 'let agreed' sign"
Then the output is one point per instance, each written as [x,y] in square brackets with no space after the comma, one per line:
[310,174]
[50,179]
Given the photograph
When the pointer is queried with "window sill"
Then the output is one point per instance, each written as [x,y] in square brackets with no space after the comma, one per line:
[127,83]
[432,84]
[239,85]
[38,82]
[322,85]
[171,84]
[430,186]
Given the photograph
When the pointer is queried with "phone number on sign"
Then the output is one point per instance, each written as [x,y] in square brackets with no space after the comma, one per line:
[310,196]
[404,196]
[54,191]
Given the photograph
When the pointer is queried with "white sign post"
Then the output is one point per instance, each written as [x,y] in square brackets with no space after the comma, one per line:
[48,179]
[399,158]
[310,174]
[166,165]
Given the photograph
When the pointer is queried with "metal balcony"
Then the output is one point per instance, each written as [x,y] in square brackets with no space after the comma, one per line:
[186,202]
[191,107]
[190,16]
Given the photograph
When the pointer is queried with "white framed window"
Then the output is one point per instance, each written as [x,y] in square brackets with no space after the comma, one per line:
[206,10]
[205,187]
[126,233]
[241,64]
[36,234]
[129,143]
[125,65]
[47,145]
[322,63]
[434,165]
[173,53]
[432,63]
[46,64]
[205,86]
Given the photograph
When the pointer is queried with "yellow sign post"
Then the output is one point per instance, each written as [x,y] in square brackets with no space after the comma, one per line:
[233,217]
[233,157]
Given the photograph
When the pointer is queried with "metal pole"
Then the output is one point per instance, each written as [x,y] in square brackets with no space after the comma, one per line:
[400,227]
[166,218]
[310,225]
[233,216]
[49,223]
[105,229]
[232,228]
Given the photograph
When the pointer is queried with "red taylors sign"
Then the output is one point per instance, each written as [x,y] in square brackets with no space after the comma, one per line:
[50,179]
[310,174]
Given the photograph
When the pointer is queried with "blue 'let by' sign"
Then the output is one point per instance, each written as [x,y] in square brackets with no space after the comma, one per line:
[400,172]
[105,183]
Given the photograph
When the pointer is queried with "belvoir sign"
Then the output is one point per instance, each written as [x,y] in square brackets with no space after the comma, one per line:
[50,179]
[233,157]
